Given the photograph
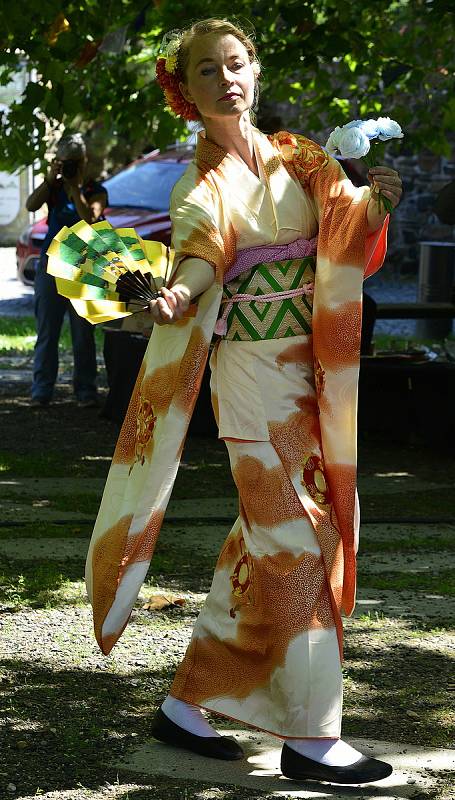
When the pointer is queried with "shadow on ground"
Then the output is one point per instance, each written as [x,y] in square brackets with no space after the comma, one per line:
[64,726]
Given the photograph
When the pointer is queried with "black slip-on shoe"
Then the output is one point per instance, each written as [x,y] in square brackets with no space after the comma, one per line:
[211,746]
[301,768]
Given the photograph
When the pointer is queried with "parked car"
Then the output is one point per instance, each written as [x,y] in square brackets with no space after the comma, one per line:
[138,198]
[28,248]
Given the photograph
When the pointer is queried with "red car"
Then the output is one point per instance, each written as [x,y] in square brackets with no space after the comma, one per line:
[138,198]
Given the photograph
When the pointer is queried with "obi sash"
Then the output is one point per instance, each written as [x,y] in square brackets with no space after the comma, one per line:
[273,298]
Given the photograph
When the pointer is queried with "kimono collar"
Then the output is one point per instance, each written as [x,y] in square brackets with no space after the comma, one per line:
[285,194]
[249,189]
[208,154]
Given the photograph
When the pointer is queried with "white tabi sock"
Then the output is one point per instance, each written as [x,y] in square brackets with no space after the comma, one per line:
[333,752]
[187,716]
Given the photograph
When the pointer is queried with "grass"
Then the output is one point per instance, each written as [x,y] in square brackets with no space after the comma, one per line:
[41,583]
[50,464]
[411,504]
[390,680]
[440,582]
[409,544]
[18,335]
[38,530]
[400,505]
[388,341]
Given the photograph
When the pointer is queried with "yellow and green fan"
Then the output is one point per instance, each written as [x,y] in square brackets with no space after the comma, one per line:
[107,272]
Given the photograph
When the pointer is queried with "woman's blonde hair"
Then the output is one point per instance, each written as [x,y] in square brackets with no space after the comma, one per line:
[172,65]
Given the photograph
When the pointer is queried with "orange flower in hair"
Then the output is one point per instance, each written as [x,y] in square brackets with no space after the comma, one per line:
[169,82]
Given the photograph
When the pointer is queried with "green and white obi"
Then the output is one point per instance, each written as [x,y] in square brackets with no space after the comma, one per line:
[285,310]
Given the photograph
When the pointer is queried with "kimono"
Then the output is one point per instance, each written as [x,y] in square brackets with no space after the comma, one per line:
[266,648]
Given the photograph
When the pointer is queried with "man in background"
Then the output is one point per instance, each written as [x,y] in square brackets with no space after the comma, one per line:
[70,197]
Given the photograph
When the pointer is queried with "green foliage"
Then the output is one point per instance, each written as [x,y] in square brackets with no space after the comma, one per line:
[328,60]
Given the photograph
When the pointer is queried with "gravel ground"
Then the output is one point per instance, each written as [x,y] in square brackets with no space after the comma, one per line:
[70,715]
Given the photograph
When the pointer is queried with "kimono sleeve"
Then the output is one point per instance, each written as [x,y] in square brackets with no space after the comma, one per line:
[196,227]
[340,206]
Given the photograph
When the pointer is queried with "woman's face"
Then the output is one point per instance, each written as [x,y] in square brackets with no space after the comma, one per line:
[220,78]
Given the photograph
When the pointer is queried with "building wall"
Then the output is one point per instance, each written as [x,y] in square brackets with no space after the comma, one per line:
[14,217]
[14,188]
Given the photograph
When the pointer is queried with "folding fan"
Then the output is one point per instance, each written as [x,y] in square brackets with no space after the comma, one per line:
[107,272]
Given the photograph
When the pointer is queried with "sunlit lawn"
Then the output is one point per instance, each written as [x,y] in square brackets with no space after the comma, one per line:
[18,335]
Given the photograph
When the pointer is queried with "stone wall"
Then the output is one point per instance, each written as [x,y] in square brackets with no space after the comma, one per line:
[414,220]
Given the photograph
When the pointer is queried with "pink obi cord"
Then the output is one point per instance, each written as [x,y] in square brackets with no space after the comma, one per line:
[265,254]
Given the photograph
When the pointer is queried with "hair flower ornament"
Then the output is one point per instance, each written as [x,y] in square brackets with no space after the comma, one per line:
[360,138]
[172,54]
[169,77]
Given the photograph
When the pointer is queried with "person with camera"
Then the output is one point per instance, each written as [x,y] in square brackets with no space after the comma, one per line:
[70,197]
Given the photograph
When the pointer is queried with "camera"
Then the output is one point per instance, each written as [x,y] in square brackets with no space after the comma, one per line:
[70,168]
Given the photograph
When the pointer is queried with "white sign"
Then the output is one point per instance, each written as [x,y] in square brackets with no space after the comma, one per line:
[10,197]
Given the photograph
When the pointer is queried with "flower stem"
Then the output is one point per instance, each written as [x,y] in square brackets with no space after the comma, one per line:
[370,161]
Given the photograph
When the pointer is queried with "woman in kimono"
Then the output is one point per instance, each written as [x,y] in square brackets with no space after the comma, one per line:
[272,243]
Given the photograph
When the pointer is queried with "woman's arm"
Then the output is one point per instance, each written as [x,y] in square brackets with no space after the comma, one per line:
[42,193]
[38,197]
[193,276]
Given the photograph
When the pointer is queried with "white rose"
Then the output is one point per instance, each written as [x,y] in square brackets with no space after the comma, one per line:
[368,126]
[354,123]
[389,129]
[332,142]
[353,143]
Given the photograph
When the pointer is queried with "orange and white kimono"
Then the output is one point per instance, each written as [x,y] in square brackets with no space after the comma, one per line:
[266,647]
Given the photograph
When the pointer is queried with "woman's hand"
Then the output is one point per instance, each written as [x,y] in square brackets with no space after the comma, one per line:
[171,306]
[388,182]
[192,277]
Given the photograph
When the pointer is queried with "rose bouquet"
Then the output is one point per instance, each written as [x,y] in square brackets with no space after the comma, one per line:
[361,139]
